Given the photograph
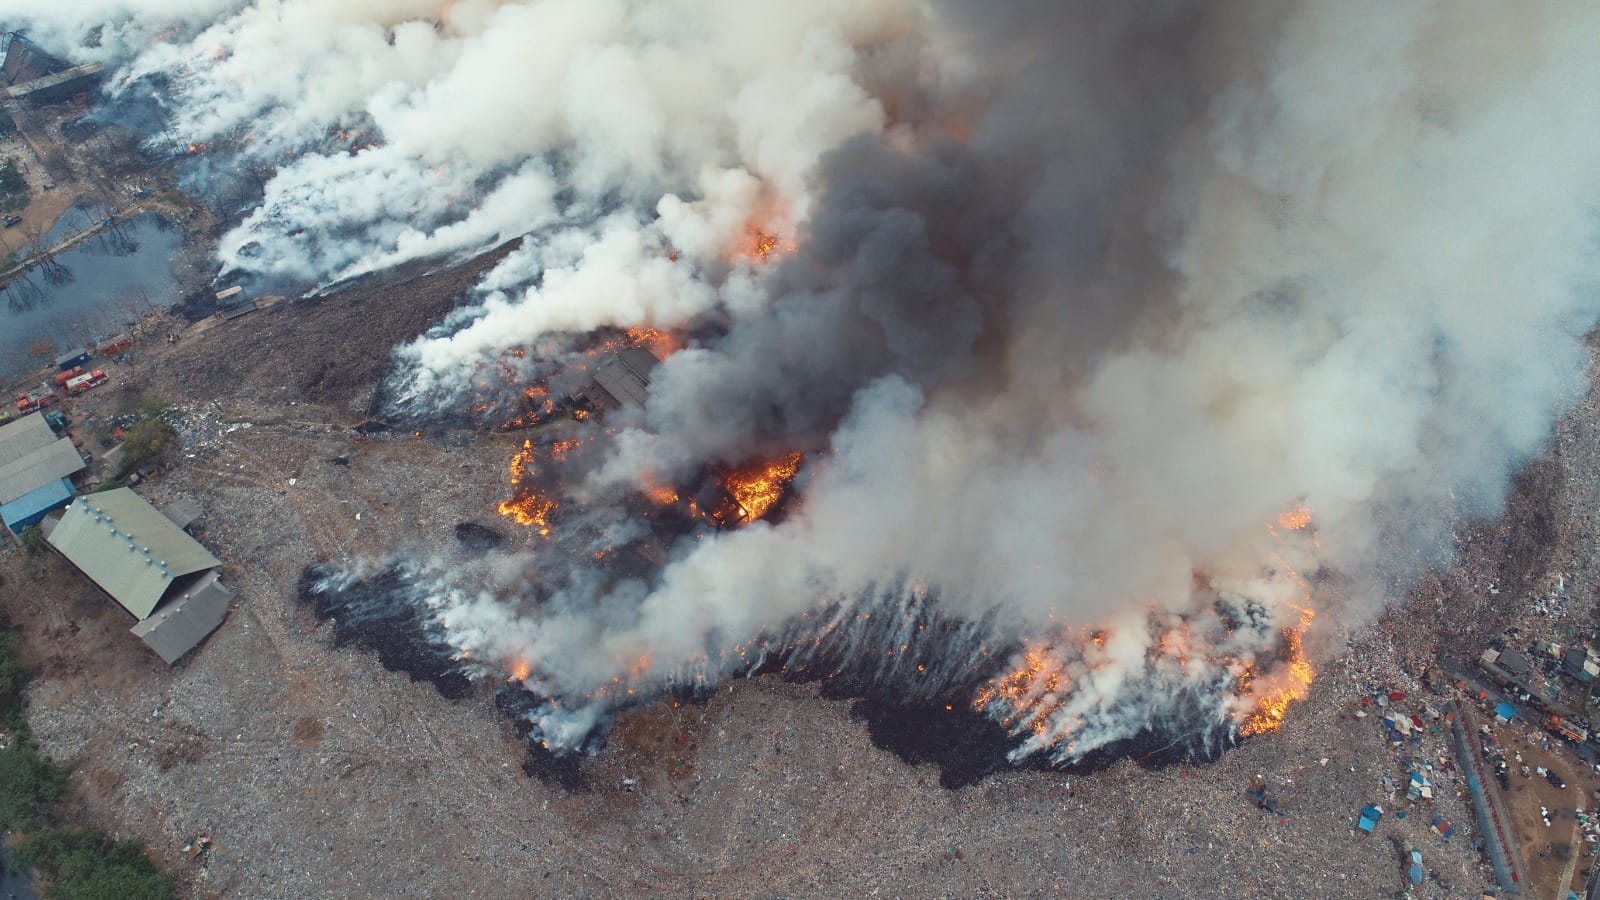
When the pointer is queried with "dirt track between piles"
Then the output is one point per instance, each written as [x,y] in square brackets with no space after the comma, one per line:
[320,774]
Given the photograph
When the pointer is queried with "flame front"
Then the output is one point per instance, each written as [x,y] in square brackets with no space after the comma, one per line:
[526,507]
[1287,684]
[757,488]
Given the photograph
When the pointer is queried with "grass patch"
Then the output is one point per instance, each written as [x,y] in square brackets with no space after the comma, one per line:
[77,863]
[81,864]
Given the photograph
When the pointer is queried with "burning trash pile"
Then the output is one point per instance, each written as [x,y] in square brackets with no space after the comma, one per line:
[1086,394]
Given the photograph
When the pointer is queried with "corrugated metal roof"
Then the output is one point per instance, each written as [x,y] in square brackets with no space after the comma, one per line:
[184,621]
[182,512]
[24,436]
[626,376]
[31,507]
[128,547]
[38,468]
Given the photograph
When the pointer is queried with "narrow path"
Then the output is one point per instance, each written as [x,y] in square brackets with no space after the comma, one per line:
[1565,884]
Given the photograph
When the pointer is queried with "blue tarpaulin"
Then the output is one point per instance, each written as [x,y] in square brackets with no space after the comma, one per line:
[1369,818]
[1505,711]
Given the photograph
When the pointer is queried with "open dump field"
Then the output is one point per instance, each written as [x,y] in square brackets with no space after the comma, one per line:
[319,773]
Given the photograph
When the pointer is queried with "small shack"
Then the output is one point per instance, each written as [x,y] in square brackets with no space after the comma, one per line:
[71,359]
[1504,711]
[1514,663]
[36,469]
[1581,664]
[150,566]
[622,380]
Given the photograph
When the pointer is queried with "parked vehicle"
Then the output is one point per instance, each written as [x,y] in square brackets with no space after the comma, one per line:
[37,398]
[81,383]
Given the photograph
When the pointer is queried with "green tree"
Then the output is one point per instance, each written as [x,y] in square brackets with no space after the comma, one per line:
[29,782]
[86,865]
[153,407]
[32,539]
[148,443]
[80,864]
[44,350]
[13,676]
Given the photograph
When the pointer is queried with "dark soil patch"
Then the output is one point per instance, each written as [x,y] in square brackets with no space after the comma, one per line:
[330,349]
[374,614]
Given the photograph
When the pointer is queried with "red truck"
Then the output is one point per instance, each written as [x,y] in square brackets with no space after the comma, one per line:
[80,383]
[37,398]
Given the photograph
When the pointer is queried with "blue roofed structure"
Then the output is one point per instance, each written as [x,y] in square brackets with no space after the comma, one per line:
[1505,712]
[32,507]
[33,459]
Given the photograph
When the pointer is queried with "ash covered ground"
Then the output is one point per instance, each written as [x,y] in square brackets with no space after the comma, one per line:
[322,773]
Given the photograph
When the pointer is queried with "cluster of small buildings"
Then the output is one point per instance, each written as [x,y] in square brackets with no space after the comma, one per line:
[37,466]
[141,558]
[1535,680]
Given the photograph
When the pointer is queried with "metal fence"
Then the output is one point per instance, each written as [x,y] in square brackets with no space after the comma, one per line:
[1492,818]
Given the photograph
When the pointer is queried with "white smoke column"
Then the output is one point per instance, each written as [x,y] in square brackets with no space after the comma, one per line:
[1377,279]
[1082,297]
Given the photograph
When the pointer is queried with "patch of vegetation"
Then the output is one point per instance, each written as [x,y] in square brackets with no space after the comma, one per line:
[29,781]
[151,441]
[11,181]
[110,484]
[32,539]
[77,863]
[86,865]
[153,407]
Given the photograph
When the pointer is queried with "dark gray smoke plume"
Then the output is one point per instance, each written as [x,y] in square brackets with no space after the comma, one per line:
[1138,332]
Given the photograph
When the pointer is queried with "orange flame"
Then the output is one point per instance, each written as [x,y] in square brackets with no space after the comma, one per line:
[764,234]
[1286,685]
[1027,694]
[758,487]
[1295,518]
[526,507]
[661,343]
[659,494]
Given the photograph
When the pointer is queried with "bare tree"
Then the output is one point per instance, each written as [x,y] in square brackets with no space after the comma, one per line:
[43,349]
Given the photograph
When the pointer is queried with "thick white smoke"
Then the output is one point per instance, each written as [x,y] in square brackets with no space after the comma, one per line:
[1074,299]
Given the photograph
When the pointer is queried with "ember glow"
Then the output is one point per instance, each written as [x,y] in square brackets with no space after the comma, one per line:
[1295,518]
[760,245]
